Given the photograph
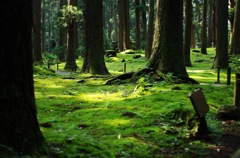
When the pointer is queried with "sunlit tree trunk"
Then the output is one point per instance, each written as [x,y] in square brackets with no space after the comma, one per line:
[19,126]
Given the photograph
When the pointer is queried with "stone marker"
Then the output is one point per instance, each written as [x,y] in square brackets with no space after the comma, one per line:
[201,107]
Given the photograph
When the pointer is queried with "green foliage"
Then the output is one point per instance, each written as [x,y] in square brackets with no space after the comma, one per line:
[231,13]
[68,14]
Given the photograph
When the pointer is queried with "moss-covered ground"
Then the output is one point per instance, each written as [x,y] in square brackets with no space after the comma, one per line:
[80,116]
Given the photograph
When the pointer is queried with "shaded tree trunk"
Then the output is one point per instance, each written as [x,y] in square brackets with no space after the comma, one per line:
[210,24]
[193,40]
[37,52]
[221,59]
[124,25]
[144,24]
[232,5]
[43,39]
[94,60]
[62,37]
[19,126]
[204,29]
[235,44]
[168,38]
[187,32]
[149,40]
[137,24]
[72,43]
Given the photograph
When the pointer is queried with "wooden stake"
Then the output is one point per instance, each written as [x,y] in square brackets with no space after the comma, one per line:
[229,76]
[125,68]
[237,90]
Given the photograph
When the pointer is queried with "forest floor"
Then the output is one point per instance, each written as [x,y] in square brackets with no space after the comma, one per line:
[80,116]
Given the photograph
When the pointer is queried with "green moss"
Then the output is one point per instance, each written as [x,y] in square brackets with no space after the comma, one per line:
[90,119]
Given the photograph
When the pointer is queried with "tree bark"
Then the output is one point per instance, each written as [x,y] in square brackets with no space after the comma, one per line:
[19,126]
[37,52]
[204,29]
[187,32]
[149,40]
[62,37]
[221,59]
[144,24]
[234,47]
[137,24]
[94,38]
[72,43]
[168,38]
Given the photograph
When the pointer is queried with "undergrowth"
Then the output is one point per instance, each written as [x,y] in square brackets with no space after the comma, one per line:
[80,116]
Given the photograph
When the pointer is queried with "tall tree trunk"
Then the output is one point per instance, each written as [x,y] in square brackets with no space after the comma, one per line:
[137,24]
[235,44]
[121,24]
[72,43]
[168,38]
[193,39]
[204,29]
[187,32]
[43,27]
[62,37]
[126,32]
[148,50]
[94,38]
[232,5]
[210,24]
[221,59]
[144,24]
[37,52]
[19,126]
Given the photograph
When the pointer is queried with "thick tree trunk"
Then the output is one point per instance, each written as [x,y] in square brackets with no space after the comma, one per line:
[72,43]
[94,38]
[187,32]
[137,24]
[19,126]
[204,29]
[149,40]
[168,38]
[37,52]
[221,59]
[235,44]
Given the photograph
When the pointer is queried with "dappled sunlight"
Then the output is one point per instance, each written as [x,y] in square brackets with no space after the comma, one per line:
[116,122]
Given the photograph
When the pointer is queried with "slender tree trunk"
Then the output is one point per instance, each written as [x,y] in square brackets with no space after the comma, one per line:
[210,24]
[193,39]
[204,29]
[72,43]
[126,32]
[221,59]
[37,52]
[187,32]
[168,38]
[235,44]
[19,126]
[94,38]
[62,38]
[43,27]
[148,50]
[137,24]
[144,24]
[121,24]
[232,5]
